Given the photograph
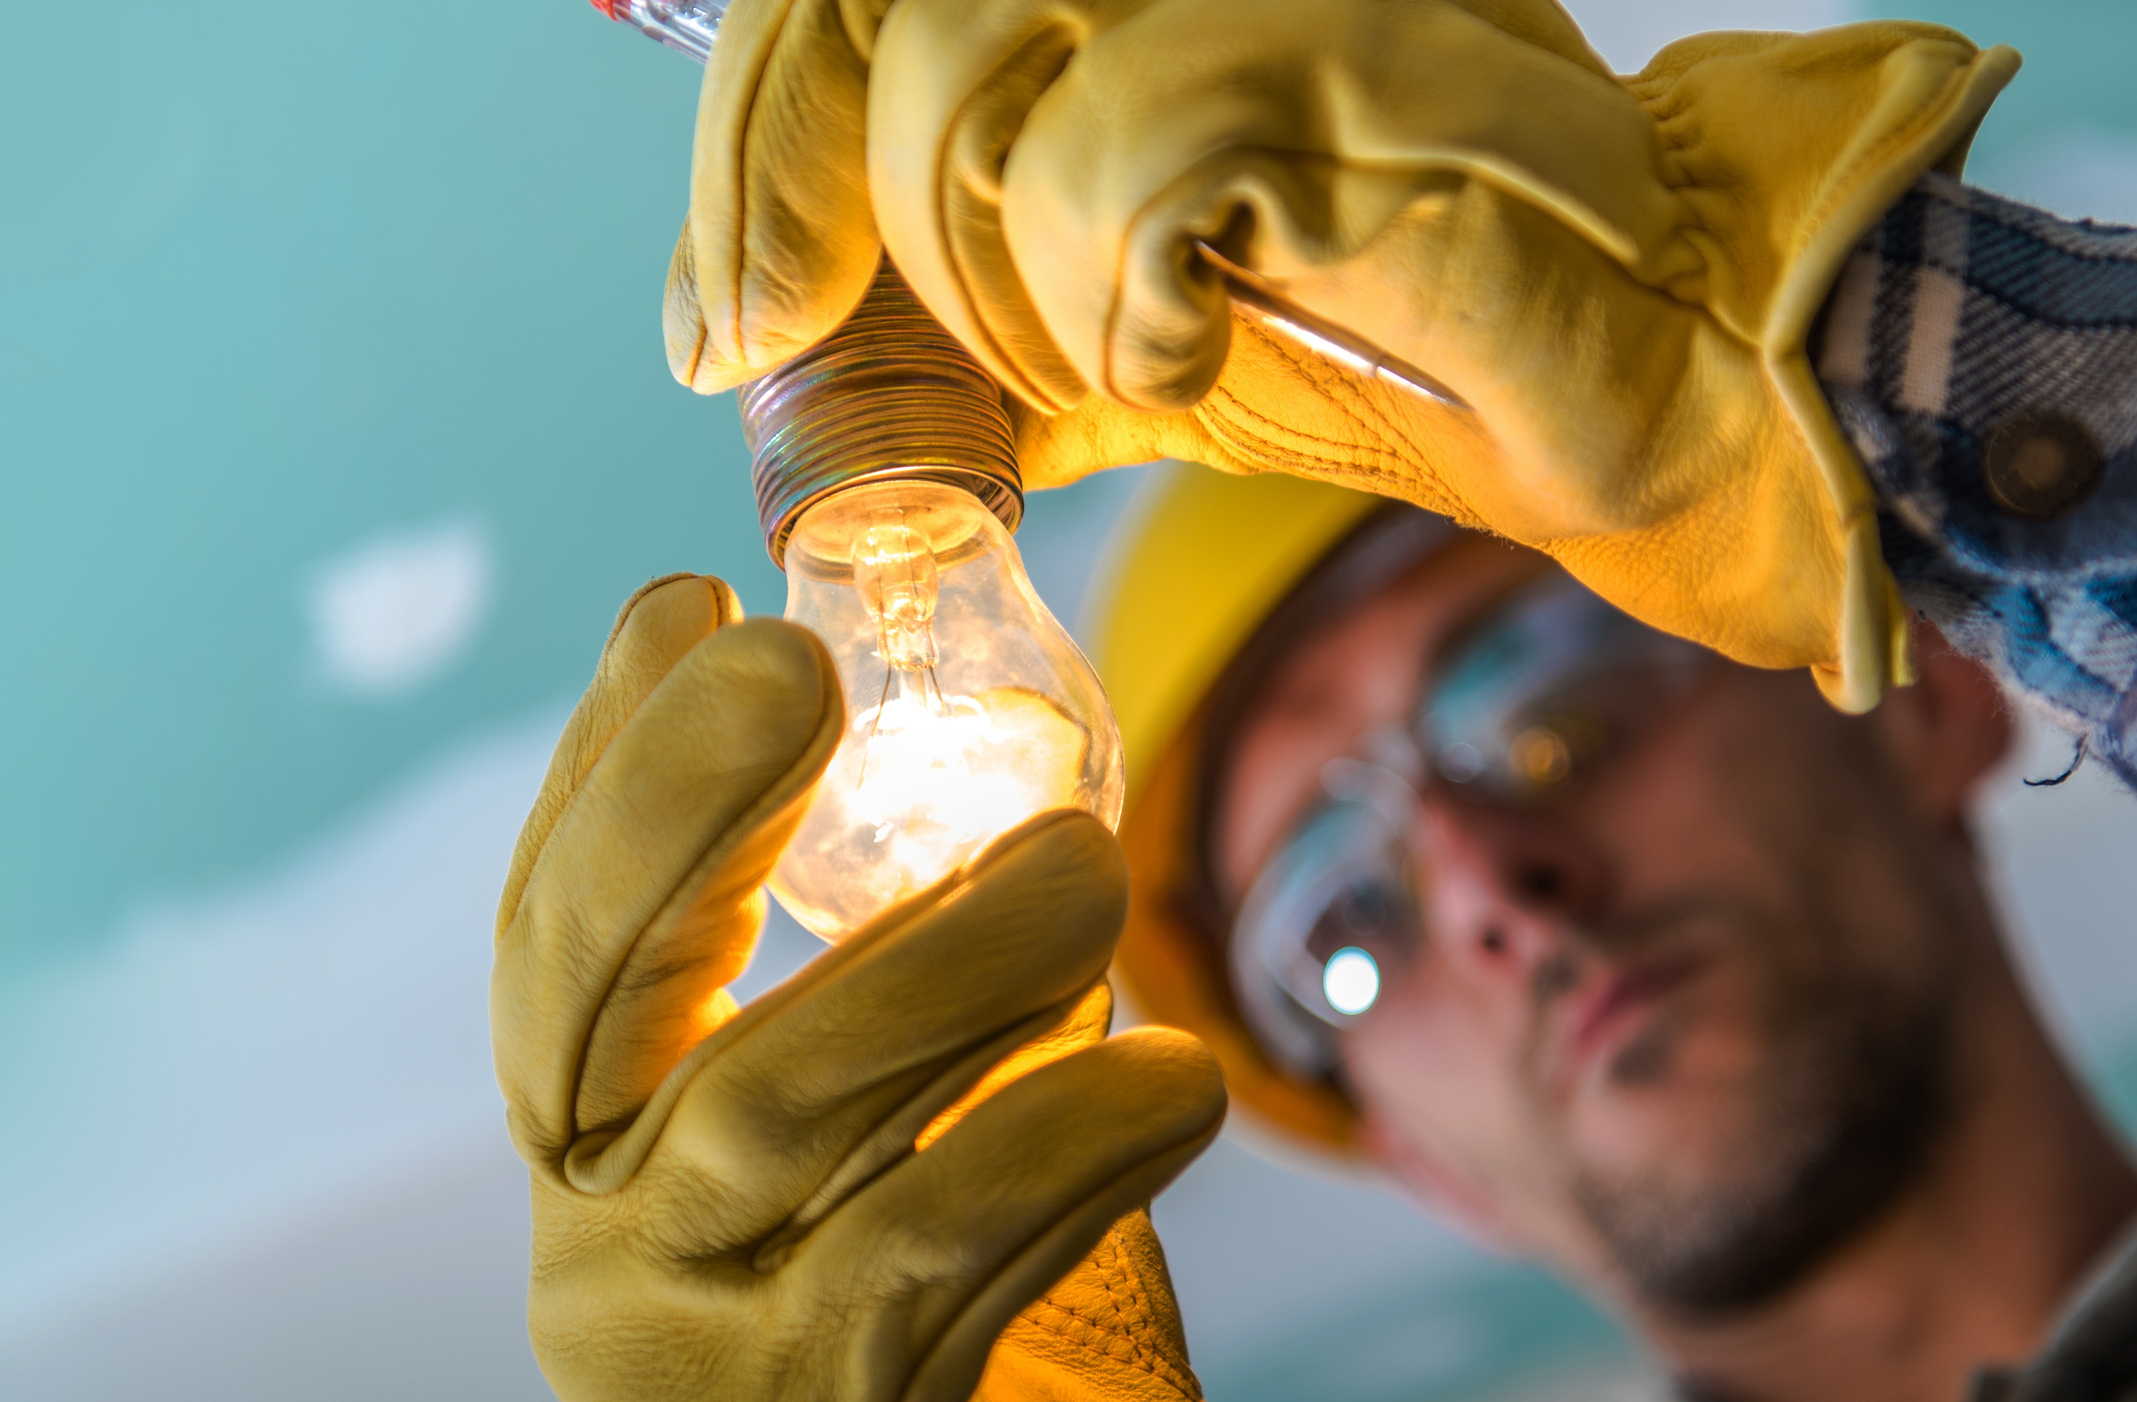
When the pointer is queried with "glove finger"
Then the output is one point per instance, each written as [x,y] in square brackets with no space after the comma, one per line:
[654,1283]
[1127,162]
[946,1248]
[665,619]
[818,1084]
[655,628]
[947,1097]
[780,244]
[951,86]
[1293,149]
[644,901]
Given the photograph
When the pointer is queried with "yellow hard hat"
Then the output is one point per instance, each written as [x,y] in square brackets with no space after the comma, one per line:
[1193,577]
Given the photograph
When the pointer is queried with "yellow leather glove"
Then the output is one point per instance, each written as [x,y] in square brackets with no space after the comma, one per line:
[779,245]
[728,1202]
[1618,274]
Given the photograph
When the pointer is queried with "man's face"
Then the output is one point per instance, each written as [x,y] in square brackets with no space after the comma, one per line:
[1682,1027]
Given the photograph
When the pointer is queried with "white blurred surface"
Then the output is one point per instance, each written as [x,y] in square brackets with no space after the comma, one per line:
[410,1288]
[396,609]
[225,1069]
[2061,860]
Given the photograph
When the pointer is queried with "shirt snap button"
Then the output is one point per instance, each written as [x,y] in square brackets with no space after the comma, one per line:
[2041,464]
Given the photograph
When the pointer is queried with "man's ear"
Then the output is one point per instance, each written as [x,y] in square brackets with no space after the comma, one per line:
[1437,1188]
[1947,731]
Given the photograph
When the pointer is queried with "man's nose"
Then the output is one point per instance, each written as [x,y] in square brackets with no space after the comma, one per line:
[1505,883]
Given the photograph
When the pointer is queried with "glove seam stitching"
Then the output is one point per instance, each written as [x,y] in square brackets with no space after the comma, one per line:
[1337,455]
[1141,1313]
[1139,1356]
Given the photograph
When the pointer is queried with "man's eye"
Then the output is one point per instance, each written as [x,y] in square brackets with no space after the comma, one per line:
[1364,913]
[1363,910]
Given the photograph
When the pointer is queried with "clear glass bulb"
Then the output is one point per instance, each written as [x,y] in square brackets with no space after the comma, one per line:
[968,707]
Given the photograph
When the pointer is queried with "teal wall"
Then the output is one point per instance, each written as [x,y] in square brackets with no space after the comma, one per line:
[273,279]
[2078,62]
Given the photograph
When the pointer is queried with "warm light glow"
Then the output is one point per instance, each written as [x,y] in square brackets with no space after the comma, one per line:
[968,708]
[940,776]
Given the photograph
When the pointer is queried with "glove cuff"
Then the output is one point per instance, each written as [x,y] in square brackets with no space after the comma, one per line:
[1107,1330]
[1788,149]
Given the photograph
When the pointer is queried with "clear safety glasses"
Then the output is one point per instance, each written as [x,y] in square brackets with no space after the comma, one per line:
[1533,698]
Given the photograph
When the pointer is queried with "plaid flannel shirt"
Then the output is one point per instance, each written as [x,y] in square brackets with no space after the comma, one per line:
[1983,357]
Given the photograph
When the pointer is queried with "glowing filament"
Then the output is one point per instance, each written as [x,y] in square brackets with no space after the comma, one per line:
[894,569]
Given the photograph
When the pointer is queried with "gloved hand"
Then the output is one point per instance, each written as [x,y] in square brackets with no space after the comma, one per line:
[779,245]
[1618,274]
[728,1202]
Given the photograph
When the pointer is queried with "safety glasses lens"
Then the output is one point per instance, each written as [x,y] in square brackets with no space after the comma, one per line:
[1332,914]
[1545,689]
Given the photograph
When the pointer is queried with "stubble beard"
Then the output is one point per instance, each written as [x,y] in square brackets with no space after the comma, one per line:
[1856,1096]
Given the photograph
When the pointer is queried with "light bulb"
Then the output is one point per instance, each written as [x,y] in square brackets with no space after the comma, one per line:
[888,439]
[968,707]
[886,479]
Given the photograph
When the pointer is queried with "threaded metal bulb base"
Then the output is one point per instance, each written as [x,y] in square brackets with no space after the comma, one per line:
[890,395]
